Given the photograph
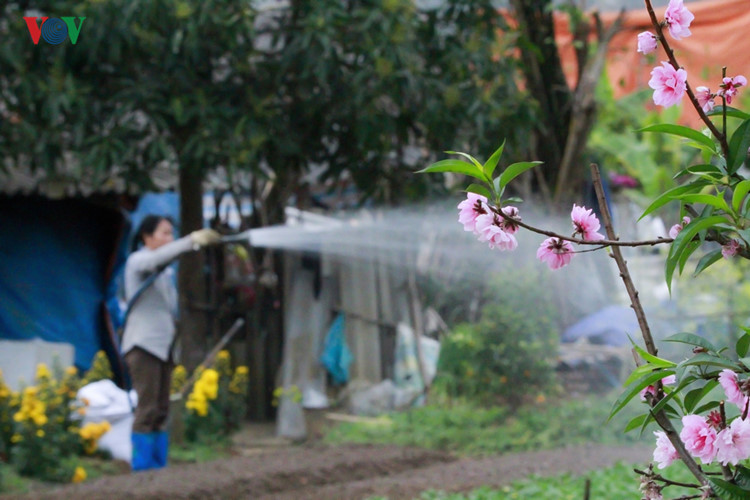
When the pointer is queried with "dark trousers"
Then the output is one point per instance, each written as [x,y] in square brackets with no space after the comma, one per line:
[151,378]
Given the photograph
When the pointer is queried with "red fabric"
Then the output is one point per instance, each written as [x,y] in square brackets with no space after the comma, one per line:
[719,38]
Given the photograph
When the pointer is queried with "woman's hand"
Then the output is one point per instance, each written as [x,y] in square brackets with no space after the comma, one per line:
[205,237]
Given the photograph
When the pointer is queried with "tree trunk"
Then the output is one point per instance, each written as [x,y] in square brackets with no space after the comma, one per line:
[192,280]
[545,81]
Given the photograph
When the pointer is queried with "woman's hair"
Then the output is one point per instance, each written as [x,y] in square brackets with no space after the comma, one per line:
[146,228]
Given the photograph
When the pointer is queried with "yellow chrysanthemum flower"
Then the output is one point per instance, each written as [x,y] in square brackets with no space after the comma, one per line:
[79,475]
[179,377]
[209,383]
[223,363]
[42,372]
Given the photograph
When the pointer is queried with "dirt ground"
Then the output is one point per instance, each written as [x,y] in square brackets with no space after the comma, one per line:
[339,472]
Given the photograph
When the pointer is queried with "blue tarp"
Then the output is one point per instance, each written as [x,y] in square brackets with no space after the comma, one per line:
[55,256]
[336,355]
[610,325]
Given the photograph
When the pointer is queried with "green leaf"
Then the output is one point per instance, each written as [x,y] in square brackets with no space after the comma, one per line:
[689,250]
[691,339]
[694,397]
[663,403]
[655,361]
[515,170]
[479,189]
[728,491]
[636,422]
[740,191]
[707,260]
[683,239]
[639,372]
[498,188]
[513,199]
[670,195]
[742,476]
[635,388]
[711,150]
[733,112]
[702,169]
[704,359]
[468,157]
[681,131]
[742,345]
[706,407]
[706,199]
[738,147]
[455,166]
[489,166]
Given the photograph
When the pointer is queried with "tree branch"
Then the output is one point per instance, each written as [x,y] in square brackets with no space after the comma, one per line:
[584,105]
[694,100]
[659,477]
[600,243]
[635,302]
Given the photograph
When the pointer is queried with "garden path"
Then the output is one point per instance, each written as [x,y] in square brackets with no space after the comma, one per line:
[341,473]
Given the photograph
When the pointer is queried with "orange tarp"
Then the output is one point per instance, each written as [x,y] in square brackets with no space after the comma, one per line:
[720,37]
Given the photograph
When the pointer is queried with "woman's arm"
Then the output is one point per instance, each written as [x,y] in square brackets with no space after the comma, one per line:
[151,261]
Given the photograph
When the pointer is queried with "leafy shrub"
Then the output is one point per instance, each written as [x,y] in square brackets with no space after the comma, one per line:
[509,353]
[39,430]
[218,401]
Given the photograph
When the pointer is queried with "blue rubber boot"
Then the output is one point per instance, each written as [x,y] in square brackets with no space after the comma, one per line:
[143,451]
[161,449]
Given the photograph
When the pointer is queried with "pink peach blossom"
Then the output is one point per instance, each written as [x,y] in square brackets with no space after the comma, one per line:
[665,453]
[509,226]
[728,380]
[585,223]
[730,85]
[730,249]
[651,389]
[488,230]
[555,252]
[678,19]
[675,230]
[699,438]
[646,42]
[733,442]
[669,84]
[469,209]
[705,98]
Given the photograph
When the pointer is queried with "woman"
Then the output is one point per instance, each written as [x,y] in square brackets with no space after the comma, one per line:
[150,330]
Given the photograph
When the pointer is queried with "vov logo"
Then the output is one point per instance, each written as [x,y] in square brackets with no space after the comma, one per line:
[54,30]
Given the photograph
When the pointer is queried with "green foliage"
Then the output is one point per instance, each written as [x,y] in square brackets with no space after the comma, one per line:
[471,429]
[45,441]
[100,369]
[217,403]
[509,353]
[10,481]
[618,142]
[198,84]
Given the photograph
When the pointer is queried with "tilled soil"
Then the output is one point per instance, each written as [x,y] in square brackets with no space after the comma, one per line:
[340,473]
